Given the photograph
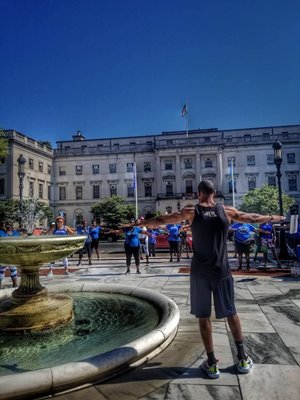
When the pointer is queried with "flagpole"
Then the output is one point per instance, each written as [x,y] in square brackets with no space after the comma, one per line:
[232,183]
[187,123]
[135,191]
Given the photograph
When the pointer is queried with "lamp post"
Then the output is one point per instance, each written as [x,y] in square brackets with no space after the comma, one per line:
[277,146]
[21,174]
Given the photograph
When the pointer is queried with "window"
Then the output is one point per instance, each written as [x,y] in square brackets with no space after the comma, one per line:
[31,189]
[78,170]
[41,167]
[208,162]
[250,160]
[291,158]
[129,167]
[169,142]
[149,143]
[2,187]
[130,190]
[96,169]
[83,148]
[169,188]
[2,160]
[230,185]
[96,191]
[271,180]
[49,192]
[78,192]
[113,189]
[99,147]
[247,138]
[116,146]
[270,158]
[132,145]
[169,210]
[147,166]
[30,163]
[292,183]
[168,165]
[41,190]
[266,136]
[49,169]
[207,139]
[189,186]
[251,182]
[112,168]
[229,161]
[188,164]
[62,193]
[148,189]
[61,171]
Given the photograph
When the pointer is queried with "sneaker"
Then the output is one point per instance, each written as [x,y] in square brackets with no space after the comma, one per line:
[67,272]
[78,264]
[212,371]
[50,274]
[138,271]
[244,366]
[127,272]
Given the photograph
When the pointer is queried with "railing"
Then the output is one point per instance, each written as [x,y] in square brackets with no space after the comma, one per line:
[176,143]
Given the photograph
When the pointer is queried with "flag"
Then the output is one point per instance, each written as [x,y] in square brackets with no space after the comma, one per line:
[134,176]
[184,111]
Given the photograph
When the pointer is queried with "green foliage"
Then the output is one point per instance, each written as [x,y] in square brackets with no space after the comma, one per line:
[9,209]
[265,201]
[114,211]
[3,144]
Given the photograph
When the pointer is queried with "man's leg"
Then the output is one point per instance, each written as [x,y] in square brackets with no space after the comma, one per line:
[210,366]
[245,363]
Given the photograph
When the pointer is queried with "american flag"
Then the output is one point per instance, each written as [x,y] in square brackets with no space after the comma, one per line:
[184,110]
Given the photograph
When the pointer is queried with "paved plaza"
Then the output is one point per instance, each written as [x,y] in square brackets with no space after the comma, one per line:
[269,308]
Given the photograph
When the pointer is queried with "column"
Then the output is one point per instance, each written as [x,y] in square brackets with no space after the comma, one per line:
[178,175]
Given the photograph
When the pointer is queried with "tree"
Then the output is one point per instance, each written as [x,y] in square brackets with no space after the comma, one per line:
[265,201]
[3,144]
[33,210]
[114,211]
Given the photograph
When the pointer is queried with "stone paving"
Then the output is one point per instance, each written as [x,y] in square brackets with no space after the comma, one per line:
[269,308]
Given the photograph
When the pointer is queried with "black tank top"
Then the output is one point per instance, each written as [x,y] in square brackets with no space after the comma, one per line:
[209,229]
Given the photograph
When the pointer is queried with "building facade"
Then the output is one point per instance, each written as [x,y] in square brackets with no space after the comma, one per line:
[169,167]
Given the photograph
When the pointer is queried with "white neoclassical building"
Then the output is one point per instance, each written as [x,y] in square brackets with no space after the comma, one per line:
[169,167]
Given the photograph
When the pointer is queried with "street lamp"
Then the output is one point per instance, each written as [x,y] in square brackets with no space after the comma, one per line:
[21,174]
[277,146]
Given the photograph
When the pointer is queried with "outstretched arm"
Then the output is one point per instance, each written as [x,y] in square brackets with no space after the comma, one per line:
[174,218]
[241,216]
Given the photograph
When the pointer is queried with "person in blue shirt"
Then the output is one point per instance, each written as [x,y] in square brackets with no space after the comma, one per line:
[59,228]
[95,231]
[267,242]
[132,247]
[84,229]
[152,242]
[243,238]
[174,240]
[6,231]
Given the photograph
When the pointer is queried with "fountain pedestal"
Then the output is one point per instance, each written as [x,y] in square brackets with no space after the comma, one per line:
[31,307]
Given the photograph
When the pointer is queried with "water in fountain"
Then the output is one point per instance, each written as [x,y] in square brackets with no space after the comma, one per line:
[99,318]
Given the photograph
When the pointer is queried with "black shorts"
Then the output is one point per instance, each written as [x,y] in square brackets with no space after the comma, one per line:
[243,248]
[223,294]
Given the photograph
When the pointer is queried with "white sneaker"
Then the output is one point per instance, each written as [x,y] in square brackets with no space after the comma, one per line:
[211,371]
[50,274]
[244,366]
[67,272]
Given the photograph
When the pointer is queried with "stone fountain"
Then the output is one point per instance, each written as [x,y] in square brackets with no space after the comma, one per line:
[31,307]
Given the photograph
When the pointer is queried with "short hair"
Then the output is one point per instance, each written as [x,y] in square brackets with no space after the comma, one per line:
[206,187]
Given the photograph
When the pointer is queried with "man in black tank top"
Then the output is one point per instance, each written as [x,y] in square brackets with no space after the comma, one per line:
[210,271]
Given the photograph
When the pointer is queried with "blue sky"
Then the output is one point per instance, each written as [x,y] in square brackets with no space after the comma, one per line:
[126,68]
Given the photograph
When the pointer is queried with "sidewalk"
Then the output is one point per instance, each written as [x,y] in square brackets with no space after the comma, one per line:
[269,308]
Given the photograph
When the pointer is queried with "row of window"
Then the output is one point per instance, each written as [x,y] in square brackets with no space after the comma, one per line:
[169,164]
[40,166]
[292,183]
[113,191]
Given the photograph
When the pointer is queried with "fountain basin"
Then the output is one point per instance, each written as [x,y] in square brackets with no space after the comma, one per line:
[70,376]
[30,307]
